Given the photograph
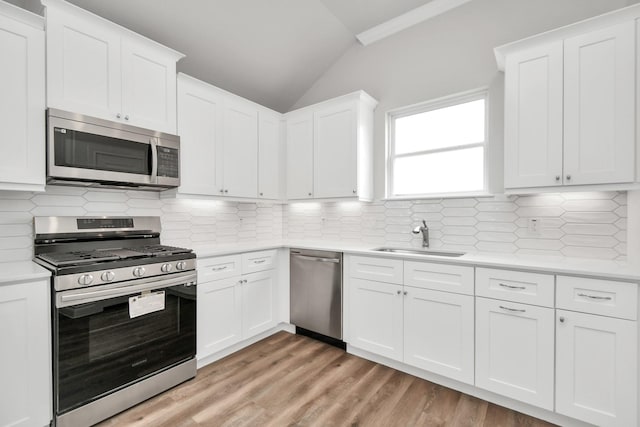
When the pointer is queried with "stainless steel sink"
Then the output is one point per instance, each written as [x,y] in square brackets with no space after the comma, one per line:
[424,252]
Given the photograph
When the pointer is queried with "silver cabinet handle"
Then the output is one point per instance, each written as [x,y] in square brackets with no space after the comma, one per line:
[309,193]
[126,117]
[568,177]
[511,286]
[355,191]
[561,319]
[224,267]
[221,190]
[260,261]
[118,115]
[595,297]
[405,292]
[557,178]
[226,191]
[513,309]
[261,194]
[398,292]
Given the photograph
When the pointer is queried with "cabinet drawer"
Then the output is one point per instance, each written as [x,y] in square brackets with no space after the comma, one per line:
[518,286]
[597,296]
[219,267]
[378,269]
[440,277]
[258,261]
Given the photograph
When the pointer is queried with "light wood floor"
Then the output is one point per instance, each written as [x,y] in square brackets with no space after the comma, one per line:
[293,380]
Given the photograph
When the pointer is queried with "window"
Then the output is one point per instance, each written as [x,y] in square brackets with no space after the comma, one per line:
[438,148]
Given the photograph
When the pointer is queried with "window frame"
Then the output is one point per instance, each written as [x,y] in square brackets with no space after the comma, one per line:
[430,105]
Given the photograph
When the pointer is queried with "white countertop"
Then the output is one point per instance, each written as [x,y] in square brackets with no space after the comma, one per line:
[22,271]
[619,270]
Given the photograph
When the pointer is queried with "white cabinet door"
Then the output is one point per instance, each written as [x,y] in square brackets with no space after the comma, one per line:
[596,369]
[375,317]
[514,351]
[300,155]
[240,149]
[83,65]
[269,155]
[199,127]
[334,151]
[148,86]
[219,315]
[25,359]
[22,106]
[258,303]
[599,101]
[533,117]
[438,333]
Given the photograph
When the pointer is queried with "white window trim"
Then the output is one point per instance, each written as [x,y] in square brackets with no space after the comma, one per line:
[435,104]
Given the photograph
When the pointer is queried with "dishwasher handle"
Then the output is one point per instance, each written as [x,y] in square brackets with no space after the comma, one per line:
[318,259]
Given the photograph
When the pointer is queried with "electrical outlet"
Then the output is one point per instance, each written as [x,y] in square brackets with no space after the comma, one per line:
[534,226]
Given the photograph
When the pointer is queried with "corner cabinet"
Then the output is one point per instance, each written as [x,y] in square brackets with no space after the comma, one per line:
[25,362]
[100,69]
[570,105]
[330,149]
[230,147]
[22,103]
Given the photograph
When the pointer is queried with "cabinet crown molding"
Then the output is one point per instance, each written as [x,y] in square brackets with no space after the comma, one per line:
[78,11]
[19,14]
[359,95]
[580,27]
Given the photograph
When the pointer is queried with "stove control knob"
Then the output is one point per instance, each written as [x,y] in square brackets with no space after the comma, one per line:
[85,279]
[108,276]
[181,265]
[139,271]
[166,268]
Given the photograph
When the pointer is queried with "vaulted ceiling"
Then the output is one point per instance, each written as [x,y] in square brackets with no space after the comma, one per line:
[269,51]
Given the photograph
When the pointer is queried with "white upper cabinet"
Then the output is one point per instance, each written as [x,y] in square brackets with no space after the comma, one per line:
[330,149]
[334,152]
[98,68]
[199,127]
[300,155]
[22,100]
[570,112]
[533,117]
[599,100]
[240,149]
[269,155]
[226,142]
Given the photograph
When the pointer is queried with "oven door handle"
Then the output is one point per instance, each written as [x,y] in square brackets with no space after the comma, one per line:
[154,160]
[83,296]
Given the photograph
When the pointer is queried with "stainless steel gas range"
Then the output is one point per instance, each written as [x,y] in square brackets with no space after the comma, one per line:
[124,313]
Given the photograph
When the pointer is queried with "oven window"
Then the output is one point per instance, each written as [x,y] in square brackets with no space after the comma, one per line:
[101,349]
[89,151]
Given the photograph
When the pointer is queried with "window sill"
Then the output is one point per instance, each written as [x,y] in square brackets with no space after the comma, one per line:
[472,194]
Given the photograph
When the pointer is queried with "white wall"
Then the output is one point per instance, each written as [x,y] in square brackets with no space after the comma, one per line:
[448,54]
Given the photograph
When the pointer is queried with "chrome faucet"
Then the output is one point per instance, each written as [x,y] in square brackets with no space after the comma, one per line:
[425,233]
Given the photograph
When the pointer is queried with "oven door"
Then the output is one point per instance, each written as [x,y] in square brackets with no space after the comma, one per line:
[108,337]
[87,152]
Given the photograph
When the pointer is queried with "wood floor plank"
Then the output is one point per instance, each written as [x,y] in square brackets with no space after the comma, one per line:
[290,380]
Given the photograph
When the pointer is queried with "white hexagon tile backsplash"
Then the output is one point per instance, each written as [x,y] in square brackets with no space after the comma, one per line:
[589,225]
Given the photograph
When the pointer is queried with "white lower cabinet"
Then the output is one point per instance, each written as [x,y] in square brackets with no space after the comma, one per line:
[25,359]
[234,306]
[425,328]
[596,369]
[515,350]
[258,313]
[438,332]
[376,317]
[219,315]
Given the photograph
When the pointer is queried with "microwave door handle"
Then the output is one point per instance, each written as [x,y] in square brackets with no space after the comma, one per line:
[154,160]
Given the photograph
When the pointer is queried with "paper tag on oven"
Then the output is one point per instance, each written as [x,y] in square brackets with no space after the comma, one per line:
[146,303]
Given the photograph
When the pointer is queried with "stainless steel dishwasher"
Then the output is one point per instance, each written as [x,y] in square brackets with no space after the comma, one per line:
[316,294]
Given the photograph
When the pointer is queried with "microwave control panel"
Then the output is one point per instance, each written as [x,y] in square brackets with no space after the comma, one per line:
[168,162]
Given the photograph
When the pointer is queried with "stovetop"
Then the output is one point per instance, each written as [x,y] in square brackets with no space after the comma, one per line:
[88,257]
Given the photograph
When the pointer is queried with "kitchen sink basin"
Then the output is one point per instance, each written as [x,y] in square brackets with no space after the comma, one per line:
[425,252]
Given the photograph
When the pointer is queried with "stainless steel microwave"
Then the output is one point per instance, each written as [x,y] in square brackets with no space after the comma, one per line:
[87,151]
